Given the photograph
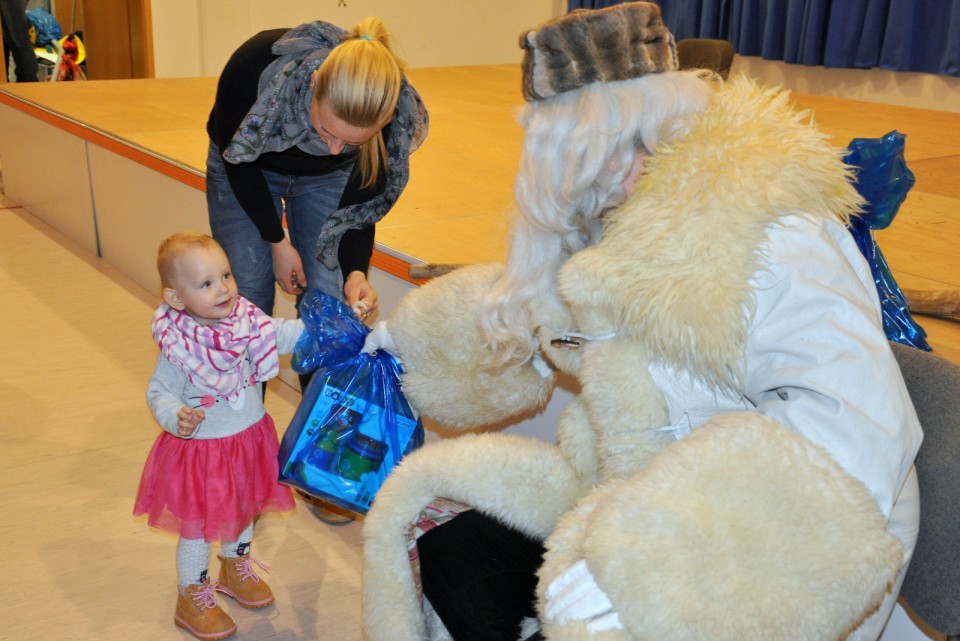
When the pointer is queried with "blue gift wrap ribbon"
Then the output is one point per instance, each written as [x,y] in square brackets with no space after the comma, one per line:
[883,179]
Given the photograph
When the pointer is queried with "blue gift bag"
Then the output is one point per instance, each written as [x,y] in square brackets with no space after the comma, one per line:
[353,424]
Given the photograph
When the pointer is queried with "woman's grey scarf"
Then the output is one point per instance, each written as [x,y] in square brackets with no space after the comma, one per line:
[280,119]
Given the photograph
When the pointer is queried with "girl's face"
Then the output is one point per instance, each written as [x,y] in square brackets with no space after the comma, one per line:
[336,133]
[204,286]
[631,178]
[636,168]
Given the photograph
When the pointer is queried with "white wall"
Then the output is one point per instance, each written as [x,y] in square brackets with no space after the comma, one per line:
[907,89]
[195,37]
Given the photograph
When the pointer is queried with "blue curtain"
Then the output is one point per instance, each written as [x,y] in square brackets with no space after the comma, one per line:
[685,18]
[591,4]
[788,30]
[697,18]
[900,35]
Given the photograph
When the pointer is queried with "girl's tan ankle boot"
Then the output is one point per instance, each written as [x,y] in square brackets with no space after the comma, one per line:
[199,614]
[238,580]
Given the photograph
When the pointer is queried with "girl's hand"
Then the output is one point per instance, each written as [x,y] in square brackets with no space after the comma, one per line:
[288,267]
[188,420]
[360,295]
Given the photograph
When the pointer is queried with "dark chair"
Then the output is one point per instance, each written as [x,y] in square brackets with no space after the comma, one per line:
[931,588]
[705,53]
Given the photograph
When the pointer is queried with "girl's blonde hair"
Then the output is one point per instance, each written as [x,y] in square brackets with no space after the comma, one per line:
[361,78]
[175,247]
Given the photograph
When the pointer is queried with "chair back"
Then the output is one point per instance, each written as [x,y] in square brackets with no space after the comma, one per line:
[932,585]
[705,53]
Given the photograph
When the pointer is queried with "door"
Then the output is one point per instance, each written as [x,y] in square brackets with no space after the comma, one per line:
[117,36]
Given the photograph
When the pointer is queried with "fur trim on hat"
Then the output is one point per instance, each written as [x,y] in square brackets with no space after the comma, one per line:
[602,45]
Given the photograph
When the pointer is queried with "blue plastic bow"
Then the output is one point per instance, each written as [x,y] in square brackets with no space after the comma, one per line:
[883,180]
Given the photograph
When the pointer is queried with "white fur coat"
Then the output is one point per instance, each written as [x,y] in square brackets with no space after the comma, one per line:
[678,534]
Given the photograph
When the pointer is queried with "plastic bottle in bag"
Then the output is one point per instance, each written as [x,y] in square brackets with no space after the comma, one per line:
[363,454]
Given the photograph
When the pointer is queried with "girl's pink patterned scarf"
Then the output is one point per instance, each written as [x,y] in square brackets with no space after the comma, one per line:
[213,355]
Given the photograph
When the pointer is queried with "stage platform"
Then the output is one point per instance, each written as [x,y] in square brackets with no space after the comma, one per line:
[117,165]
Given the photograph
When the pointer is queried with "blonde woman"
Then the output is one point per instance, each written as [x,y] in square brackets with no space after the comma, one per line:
[316,122]
[314,125]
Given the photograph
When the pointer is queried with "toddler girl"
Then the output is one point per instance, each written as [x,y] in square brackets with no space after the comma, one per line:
[214,467]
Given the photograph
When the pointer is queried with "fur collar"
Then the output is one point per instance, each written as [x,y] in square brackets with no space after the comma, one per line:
[656,276]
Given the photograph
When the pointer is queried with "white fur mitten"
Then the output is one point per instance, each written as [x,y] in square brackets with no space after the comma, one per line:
[436,332]
[380,338]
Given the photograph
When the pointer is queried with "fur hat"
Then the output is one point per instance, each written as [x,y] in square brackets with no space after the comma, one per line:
[595,45]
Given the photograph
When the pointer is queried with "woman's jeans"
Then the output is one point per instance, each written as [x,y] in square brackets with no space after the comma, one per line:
[309,201]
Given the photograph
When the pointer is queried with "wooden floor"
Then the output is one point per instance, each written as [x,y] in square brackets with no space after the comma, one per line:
[77,353]
[75,430]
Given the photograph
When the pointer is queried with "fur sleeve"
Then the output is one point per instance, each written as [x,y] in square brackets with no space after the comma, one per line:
[438,339]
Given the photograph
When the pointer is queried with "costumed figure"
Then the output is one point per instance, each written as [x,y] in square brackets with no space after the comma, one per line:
[737,463]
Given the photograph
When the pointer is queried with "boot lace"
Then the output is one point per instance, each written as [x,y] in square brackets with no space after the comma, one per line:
[244,571]
[204,598]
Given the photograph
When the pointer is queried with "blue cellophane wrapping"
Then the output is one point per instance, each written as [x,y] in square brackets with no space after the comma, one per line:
[883,179]
[354,424]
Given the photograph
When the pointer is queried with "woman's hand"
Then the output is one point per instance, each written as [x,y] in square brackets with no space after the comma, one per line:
[288,268]
[360,295]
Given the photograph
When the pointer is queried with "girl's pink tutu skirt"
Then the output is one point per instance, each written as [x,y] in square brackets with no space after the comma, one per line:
[212,489]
